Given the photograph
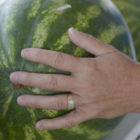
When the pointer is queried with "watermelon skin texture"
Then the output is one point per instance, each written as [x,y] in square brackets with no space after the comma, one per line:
[44,24]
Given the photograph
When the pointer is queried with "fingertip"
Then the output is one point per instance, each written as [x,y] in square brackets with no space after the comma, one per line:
[39,126]
[74,35]
[16,76]
[70,31]
[12,75]
[24,52]
[20,100]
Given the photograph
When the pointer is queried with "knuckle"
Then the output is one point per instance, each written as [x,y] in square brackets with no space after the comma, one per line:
[51,82]
[88,65]
[56,106]
[36,53]
[69,123]
[25,77]
[52,106]
[58,58]
[60,105]
[103,114]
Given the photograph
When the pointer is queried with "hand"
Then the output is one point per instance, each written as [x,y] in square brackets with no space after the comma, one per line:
[102,87]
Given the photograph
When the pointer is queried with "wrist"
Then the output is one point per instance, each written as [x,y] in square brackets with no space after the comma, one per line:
[135,88]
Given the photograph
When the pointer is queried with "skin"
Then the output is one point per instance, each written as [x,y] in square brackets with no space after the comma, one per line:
[106,86]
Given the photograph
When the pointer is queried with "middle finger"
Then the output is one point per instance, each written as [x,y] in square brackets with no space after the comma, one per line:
[52,82]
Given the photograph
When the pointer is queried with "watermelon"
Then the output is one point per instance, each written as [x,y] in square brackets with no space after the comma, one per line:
[131,15]
[44,24]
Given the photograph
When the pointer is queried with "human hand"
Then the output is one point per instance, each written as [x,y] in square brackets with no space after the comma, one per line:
[102,87]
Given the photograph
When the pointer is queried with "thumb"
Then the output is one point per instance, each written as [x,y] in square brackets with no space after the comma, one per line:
[89,43]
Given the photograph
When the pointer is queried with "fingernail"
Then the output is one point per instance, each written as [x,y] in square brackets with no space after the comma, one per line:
[38,126]
[71,30]
[20,100]
[25,52]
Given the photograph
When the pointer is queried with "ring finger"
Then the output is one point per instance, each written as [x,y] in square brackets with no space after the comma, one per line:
[56,102]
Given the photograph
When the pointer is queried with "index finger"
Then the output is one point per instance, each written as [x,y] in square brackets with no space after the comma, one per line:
[89,43]
[55,59]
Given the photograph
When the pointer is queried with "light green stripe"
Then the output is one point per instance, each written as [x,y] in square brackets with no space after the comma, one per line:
[43,27]
[7,104]
[110,33]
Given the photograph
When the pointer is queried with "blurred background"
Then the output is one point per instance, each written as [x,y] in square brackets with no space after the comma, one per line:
[130,9]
